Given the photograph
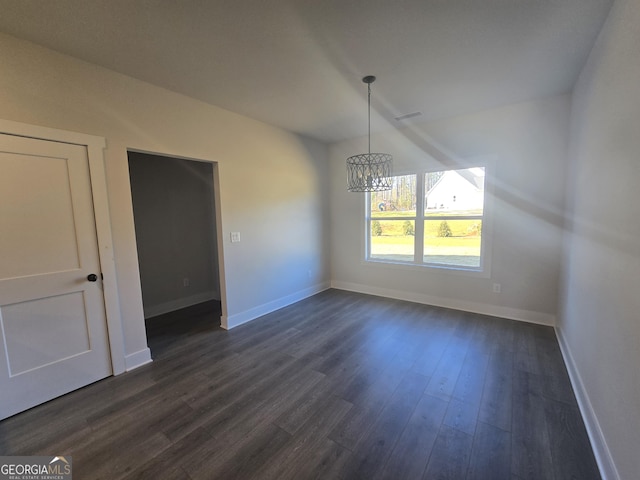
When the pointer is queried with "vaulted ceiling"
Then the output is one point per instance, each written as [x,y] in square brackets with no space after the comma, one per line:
[298,64]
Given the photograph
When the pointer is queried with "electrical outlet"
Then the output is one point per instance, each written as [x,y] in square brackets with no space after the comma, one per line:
[497,288]
[185,282]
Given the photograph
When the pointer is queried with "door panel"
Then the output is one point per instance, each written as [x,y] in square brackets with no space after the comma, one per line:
[43,331]
[26,181]
[53,336]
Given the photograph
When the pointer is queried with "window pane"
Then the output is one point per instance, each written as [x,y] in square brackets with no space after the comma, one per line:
[399,201]
[453,242]
[454,192]
[392,240]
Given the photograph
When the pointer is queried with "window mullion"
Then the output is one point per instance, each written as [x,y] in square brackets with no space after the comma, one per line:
[453,217]
[419,222]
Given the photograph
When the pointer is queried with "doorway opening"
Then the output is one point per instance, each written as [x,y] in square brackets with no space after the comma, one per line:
[175,217]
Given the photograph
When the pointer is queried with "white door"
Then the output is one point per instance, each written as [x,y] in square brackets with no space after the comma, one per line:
[53,334]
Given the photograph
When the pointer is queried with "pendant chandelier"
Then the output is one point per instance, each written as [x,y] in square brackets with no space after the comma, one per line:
[369,172]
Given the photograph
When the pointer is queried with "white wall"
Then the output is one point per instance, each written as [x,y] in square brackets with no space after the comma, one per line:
[599,325]
[272,183]
[529,142]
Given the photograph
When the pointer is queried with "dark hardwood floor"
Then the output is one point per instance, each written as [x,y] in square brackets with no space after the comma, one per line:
[338,386]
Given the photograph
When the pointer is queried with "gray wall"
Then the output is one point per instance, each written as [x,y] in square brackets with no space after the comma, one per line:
[528,142]
[269,178]
[173,207]
[599,325]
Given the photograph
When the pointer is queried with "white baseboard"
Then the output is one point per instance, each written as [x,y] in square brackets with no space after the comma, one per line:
[601,451]
[137,359]
[231,321]
[173,305]
[455,304]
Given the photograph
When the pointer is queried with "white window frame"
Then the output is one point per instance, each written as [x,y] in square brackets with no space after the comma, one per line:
[484,270]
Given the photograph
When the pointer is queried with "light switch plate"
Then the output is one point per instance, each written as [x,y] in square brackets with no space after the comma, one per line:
[235,237]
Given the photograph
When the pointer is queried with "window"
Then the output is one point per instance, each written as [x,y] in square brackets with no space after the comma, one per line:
[430,218]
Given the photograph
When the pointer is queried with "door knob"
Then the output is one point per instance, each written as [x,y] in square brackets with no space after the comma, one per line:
[92,277]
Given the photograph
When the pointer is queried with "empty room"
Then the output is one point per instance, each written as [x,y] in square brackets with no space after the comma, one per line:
[333,239]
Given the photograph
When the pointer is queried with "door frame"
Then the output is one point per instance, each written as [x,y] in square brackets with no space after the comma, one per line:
[95,153]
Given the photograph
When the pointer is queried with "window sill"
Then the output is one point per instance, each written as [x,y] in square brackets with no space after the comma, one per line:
[430,268]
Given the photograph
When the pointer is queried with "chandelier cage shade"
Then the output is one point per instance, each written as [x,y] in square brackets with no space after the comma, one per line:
[369,172]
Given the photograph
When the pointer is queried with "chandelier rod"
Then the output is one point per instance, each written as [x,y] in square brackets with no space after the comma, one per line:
[369,102]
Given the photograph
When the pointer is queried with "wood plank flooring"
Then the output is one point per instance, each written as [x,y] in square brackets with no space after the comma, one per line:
[337,386]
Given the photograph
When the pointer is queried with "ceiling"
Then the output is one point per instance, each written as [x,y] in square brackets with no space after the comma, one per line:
[298,64]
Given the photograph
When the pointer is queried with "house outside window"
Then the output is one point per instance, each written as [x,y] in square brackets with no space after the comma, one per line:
[433,219]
